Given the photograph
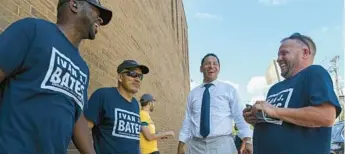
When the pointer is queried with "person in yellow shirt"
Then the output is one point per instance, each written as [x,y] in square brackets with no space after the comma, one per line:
[148,135]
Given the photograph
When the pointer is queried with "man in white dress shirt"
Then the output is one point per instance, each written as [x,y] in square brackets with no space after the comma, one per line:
[211,108]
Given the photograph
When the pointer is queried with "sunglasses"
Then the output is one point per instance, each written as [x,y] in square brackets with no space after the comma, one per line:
[299,37]
[134,74]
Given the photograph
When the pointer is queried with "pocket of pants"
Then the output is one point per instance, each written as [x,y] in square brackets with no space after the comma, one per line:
[227,146]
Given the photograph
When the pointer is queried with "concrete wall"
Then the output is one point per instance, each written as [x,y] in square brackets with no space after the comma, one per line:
[154,32]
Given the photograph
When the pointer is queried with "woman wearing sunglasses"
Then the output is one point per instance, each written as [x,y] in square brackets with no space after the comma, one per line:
[113,112]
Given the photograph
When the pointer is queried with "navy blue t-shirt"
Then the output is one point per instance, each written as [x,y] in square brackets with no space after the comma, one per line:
[310,87]
[117,122]
[41,104]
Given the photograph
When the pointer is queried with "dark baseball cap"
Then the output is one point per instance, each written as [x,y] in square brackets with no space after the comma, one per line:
[146,98]
[130,64]
[105,13]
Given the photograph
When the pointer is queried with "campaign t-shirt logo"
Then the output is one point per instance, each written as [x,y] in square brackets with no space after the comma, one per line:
[279,100]
[65,77]
[126,125]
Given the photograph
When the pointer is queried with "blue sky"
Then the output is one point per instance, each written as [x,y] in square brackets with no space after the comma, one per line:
[245,35]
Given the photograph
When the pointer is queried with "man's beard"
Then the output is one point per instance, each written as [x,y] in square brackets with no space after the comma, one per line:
[289,67]
[92,34]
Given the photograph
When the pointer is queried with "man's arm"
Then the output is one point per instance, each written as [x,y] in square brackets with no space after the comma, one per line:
[323,103]
[185,130]
[15,43]
[81,137]
[149,136]
[319,115]
[81,133]
[322,115]
[86,122]
[244,131]
[2,76]
[145,130]
[90,124]
[95,108]
[180,147]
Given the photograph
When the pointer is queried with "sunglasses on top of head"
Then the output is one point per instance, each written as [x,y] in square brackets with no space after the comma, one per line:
[134,74]
[299,37]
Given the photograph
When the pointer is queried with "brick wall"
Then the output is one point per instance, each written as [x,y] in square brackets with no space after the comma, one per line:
[154,32]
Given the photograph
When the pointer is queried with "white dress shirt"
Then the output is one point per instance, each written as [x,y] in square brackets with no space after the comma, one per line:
[225,107]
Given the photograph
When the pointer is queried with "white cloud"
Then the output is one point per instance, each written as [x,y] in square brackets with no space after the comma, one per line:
[273,2]
[257,88]
[208,16]
[256,85]
[194,84]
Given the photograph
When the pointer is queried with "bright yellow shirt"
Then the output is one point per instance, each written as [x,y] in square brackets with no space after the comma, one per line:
[146,146]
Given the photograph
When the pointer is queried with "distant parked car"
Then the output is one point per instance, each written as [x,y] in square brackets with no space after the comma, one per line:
[337,141]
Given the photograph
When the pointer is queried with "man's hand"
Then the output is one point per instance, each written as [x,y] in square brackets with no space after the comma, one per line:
[81,137]
[249,116]
[2,75]
[170,133]
[265,107]
[246,146]
[180,148]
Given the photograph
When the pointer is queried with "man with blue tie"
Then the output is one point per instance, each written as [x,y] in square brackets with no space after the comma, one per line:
[211,108]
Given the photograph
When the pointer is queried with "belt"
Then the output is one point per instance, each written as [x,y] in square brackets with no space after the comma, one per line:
[209,138]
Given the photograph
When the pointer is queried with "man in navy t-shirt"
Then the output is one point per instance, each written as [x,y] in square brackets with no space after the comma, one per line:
[298,113]
[113,113]
[44,80]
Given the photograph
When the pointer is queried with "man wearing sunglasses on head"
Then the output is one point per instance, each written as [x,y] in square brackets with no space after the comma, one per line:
[113,113]
[298,113]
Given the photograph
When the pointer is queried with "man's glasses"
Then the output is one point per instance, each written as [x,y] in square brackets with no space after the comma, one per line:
[299,37]
[134,74]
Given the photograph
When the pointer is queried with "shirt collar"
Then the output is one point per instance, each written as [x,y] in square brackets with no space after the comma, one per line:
[214,82]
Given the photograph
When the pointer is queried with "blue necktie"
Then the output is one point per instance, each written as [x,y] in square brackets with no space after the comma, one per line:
[205,112]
